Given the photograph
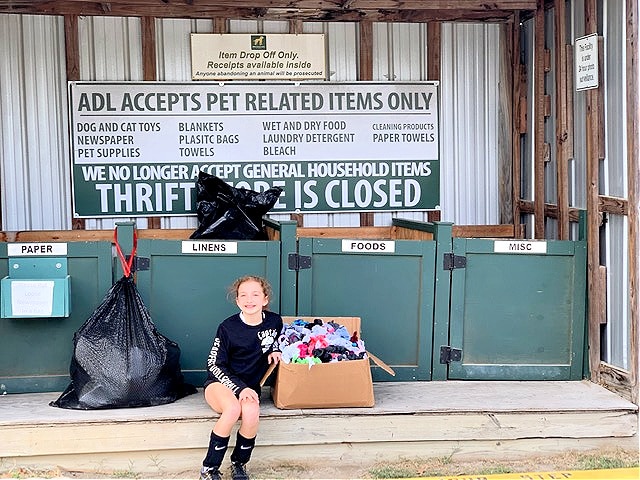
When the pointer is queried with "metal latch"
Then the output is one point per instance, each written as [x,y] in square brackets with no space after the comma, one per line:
[449,354]
[452,261]
[299,262]
[139,263]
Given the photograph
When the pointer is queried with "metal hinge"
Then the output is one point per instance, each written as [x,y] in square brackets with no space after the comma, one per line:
[452,261]
[299,262]
[139,263]
[449,354]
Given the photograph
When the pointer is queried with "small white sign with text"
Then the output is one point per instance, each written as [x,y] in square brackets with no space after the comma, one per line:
[586,59]
[519,246]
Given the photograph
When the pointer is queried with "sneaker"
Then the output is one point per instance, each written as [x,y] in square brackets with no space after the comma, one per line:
[210,473]
[238,471]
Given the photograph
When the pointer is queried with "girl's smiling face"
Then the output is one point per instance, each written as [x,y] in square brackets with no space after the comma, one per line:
[251,298]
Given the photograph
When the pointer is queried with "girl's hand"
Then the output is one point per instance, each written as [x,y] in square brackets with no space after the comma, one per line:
[274,357]
[248,394]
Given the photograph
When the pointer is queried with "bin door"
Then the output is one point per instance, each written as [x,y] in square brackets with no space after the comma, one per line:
[517,314]
[35,353]
[184,285]
[390,285]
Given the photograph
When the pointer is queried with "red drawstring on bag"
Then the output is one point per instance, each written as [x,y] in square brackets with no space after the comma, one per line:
[126,265]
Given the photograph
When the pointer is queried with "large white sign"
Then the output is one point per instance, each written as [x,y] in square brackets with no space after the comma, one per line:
[138,148]
[274,56]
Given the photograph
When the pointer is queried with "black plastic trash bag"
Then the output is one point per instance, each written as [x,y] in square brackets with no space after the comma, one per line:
[229,213]
[120,359]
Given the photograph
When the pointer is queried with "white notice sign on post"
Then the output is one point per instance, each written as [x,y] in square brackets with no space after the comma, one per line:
[586,59]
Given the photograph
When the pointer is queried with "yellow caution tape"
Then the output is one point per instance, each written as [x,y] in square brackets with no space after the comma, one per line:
[611,474]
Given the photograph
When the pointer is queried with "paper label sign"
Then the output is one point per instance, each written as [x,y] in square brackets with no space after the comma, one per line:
[519,246]
[36,249]
[205,247]
[368,246]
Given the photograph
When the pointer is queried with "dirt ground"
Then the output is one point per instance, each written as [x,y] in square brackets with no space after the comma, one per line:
[372,470]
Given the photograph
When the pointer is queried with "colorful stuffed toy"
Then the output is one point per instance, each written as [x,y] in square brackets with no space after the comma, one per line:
[319,342]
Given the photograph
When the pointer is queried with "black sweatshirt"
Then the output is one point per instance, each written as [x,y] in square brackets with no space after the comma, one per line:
[238,356]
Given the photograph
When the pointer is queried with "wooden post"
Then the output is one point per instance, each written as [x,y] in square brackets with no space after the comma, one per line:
[434,73]
[593,214]
[516,129]
[539,115]
[506,111]
[296,26]
[148,26]
[366,74]
[562,159]
[220,25]
[434,53]
[633,166]
[72,54]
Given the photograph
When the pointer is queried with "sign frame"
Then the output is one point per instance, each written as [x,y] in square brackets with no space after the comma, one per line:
[332,147]
[273,56]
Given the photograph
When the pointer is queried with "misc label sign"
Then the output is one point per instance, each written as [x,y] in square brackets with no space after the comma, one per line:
[519,246]
[368,246]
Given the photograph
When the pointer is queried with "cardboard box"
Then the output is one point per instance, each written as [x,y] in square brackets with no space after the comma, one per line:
[326,385]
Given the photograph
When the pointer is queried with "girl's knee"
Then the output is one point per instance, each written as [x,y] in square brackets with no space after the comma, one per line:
[232,409]
[250,412]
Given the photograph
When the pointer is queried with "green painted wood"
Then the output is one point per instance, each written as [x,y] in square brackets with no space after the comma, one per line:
[518,316]
[187,294]
[391,292]
[36,352]
[443,236]
[288,277]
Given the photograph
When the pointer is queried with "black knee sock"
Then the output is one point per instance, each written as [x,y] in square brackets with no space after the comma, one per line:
[242,451]
[217,448]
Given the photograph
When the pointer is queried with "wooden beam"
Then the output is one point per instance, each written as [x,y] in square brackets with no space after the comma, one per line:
[593,221]
[296,26]
[220,25]
[148,26]
[321,4]
[365,73]
[562,159]
[434,51]
[614,205]
[569,86]
[306,10]
[550,210]
[518,90]
[149,72]
[633,187]
[72,57]
[505,126]
[538,121]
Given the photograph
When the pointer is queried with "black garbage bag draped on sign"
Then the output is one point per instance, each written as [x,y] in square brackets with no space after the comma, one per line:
[229,213]
[120,359]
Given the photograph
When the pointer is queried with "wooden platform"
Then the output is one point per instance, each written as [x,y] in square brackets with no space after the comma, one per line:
[471,420]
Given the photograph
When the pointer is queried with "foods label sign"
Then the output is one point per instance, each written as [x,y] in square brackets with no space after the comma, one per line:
[137,148]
